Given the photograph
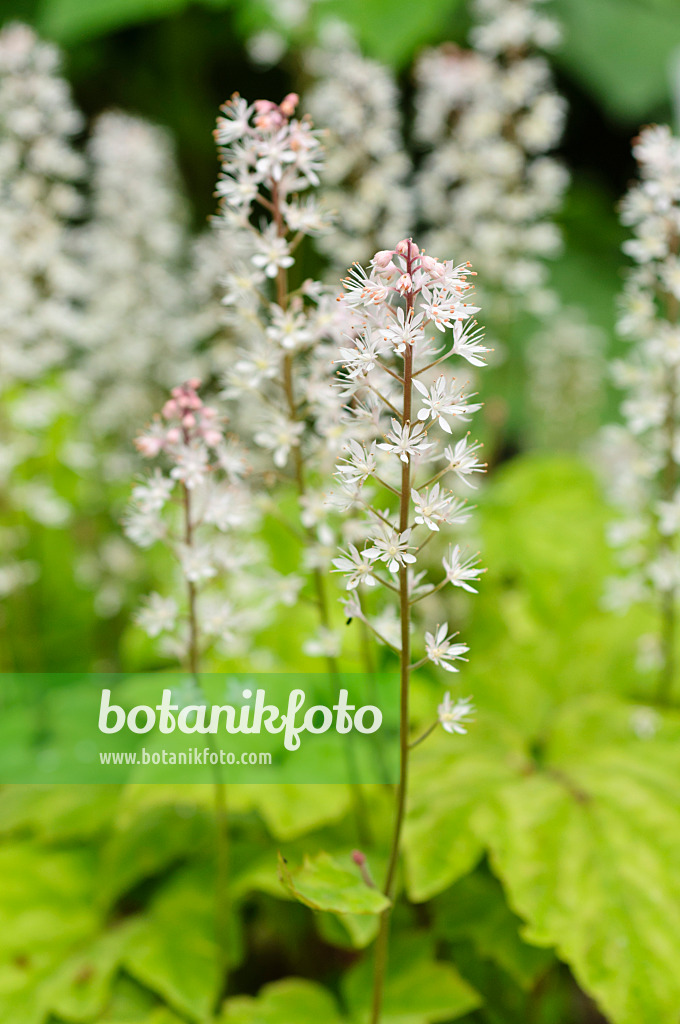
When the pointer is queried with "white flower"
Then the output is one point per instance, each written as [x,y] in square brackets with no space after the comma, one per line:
[441,652]
[157,614]
[274,253]
[433,507]
[463,459]
[391,547]
[324,644]
[459,570]
[454,717]
[152,494]
[279,436]
[197,562]
[360,462]
[288,328]
[357,566]
[468,344]
[443,399]
[404,441]
[191,465]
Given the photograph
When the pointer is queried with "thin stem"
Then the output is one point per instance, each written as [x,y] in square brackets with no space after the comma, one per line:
[423,736]
[382,941]
[222,906]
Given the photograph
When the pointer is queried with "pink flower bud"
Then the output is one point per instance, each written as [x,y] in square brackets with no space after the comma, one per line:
[173,435]
[359,858]
[289,103]
[170,409]
[212,437]
[383,258]
[404,284]
[148,445]
[188,420]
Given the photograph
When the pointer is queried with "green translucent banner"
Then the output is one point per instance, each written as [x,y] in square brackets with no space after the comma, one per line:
[174,728]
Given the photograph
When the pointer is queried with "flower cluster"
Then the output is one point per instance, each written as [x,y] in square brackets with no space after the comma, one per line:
[366,171]
[412,312]
[488,117]
[280,375]
[40,278]
[648,487]
[198,504]
[142,320]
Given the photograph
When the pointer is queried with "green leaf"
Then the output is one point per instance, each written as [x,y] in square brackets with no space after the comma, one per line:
[70,21]
[475,909]
[588,851]
[418,988]
[291,810]
[173,949]
[391,39]
[323,884]
[620,50]
[450,778]
[291,1001]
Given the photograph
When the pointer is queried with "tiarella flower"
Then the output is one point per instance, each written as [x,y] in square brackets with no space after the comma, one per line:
[462,459]
[157,615]
[444,399]
[152,495]
[405,441]
[357,566]
[366,172]
[360,462]
[279,436]
[201,490]
[273,253]
[647,454]
[391,547]
[454,716]
[280,379]
[459,570]
[433,506]
[441,651]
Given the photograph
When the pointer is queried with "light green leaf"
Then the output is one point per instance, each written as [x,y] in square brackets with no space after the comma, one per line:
[323,884]
[291,810]
[173,949]
[291,1001]
[450,778]
[588,851]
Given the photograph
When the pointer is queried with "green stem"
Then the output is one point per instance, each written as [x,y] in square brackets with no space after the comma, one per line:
[222,906]
[382,941]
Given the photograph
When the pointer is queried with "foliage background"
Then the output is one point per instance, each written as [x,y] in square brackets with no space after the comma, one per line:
[542,849]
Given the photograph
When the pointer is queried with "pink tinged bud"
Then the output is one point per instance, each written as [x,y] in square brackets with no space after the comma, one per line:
[359,858]
[194,383]
[188,420]
[171,409]
[173,435]
[148,446]
[209,413]
[383,258]
[404,284]
[212,437]
[289,103]
[407,248]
